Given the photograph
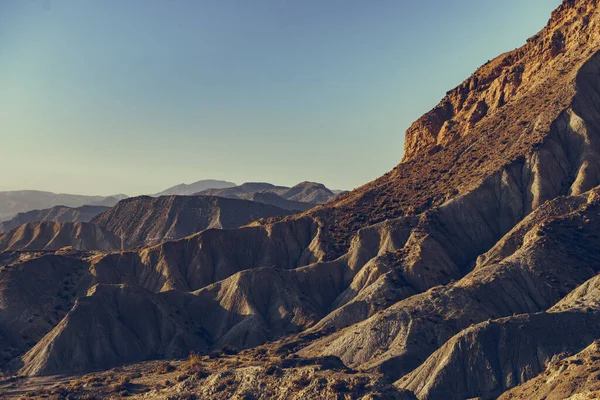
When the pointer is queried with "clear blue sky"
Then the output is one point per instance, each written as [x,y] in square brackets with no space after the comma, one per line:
[132,96]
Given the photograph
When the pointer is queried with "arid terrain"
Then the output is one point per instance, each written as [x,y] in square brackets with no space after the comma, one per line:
[469,271]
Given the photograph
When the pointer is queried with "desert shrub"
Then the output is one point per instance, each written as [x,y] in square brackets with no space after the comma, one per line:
[75,385]
[273,369]
[193,366]
[194,361]
[261,352]
[164,367]
[330,362]
[339,387]
[302,381]
[121,384]
[201,374]
[90,380]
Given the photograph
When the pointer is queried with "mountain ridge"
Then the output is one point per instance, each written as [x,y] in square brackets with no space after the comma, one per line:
[184,189]
[50,235]
[300,197]
[146,220]
[16,201]
[56,214]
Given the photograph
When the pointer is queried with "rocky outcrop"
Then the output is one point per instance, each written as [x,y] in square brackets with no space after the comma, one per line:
[54,214]
[56,235]
[146,221]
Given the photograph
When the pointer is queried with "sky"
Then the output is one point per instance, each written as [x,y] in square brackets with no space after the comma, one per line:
[134,96]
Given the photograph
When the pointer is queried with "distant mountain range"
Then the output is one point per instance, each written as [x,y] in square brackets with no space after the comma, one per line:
[301,197]
[188,189]
[50,206]
[54,214]
[14,202]
[146,220]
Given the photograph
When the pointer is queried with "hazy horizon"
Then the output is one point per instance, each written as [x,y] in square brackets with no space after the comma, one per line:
[133,97]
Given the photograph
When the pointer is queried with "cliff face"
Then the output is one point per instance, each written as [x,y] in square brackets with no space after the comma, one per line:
[505,79]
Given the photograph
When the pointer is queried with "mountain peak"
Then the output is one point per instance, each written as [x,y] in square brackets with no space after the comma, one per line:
[570,34]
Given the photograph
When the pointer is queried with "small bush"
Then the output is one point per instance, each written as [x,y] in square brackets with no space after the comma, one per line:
[302,382]
[201,374]
[121,384]
[164,367]
[339,387]
[273,369]
[193,366]
[194,361]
